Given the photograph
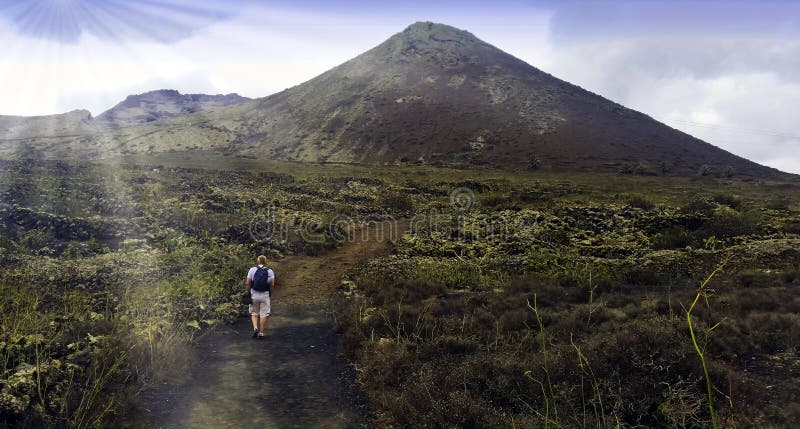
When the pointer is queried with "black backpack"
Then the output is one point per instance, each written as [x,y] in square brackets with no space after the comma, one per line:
[261,280]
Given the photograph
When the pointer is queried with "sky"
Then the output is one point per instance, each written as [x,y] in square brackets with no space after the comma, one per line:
[727,72]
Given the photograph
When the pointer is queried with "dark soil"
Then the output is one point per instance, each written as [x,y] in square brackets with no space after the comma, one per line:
[292,378]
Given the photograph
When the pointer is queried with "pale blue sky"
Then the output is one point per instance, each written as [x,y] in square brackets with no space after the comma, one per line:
[725,71]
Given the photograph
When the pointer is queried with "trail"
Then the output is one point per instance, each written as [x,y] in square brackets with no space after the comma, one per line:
[292,378]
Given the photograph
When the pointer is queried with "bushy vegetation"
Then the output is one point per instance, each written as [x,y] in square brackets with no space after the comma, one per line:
[574,314]
[551,300]
[108,274]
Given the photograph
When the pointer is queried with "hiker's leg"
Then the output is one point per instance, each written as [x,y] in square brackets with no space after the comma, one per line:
[254,314]
[264,313]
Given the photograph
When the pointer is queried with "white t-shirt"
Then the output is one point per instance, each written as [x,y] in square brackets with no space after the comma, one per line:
[252,272]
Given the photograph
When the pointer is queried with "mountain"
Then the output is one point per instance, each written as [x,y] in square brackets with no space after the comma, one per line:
[166,103]
[77,132]
[76,122]
[431,94]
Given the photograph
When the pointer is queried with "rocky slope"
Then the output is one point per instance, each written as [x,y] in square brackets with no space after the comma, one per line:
[430,94]
[134,110]
[76,122]
[433,93]
[155,105]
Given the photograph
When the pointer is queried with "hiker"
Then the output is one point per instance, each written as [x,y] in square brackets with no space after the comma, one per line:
[260,280]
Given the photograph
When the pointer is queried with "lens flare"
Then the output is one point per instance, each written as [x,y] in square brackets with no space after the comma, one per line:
[65,21]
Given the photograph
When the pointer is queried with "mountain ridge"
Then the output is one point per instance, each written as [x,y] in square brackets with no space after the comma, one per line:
[74,122]
[163,103]
[136,109]
[430,94]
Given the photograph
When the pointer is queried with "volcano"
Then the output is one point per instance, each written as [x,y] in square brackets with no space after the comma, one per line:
[431,94]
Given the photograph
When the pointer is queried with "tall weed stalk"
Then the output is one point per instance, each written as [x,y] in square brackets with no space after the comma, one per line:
[551,399]
[702,292]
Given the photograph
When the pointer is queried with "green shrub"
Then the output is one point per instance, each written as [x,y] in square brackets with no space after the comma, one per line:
[641,202]
[726,223]
[676,237]
[7,243]
[792,226]
[781,202]
[451,274]
[534,163]
[35,239]
[730,200]
[699,205]
[396,201]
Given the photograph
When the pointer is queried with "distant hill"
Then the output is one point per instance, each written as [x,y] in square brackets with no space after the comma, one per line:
[166,103]
[134,110]
[76,122]
[431,94]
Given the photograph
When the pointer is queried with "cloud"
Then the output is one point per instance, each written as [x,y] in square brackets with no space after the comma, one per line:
[259,52]
[751,114]
[725,73]
[66,21]
[37,76]
[675,56]
[580,20]
[739,94]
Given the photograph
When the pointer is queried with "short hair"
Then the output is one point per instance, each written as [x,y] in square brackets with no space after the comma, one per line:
[262,260]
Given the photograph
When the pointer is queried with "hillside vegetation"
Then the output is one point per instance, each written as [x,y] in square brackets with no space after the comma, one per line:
[527,299]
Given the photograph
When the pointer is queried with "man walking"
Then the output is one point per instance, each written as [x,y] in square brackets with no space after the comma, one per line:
[260,280]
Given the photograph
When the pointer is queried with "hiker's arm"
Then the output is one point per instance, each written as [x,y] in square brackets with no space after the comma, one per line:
[247,283]
[272,282]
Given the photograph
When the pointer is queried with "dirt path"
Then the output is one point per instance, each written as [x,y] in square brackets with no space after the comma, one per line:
[293,378]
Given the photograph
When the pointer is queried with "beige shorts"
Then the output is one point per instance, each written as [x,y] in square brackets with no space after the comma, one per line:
[260,305]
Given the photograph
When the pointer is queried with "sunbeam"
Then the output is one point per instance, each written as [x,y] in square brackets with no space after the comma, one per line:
[63,55]
[65,21]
